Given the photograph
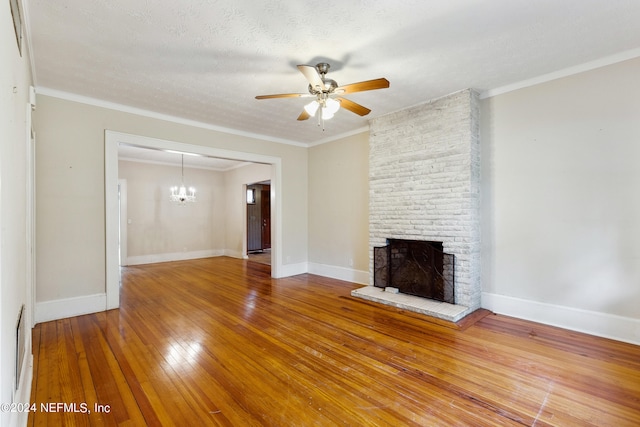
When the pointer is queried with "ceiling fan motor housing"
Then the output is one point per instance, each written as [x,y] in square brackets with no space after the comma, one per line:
[329,84]
[323,68]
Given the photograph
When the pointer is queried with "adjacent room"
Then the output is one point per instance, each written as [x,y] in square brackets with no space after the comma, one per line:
[341,213]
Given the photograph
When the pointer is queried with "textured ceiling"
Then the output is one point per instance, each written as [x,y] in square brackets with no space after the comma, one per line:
[206,60]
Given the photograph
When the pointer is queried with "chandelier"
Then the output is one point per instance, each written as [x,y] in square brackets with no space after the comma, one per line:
[179,194]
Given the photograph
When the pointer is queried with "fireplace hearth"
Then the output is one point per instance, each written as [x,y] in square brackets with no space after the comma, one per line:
[415,267]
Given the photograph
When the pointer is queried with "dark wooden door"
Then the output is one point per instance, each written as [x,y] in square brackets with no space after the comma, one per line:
[265,203]
[254,220]
[259,218]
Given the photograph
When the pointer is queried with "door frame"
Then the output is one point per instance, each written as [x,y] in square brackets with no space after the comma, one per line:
[123,223]
[113,139]
[262,212]
[31,222]
[246,220]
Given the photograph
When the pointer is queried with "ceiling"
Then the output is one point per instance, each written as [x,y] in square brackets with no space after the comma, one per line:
[148,155]
[206,60]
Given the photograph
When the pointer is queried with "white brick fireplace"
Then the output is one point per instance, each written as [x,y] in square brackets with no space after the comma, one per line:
[424,182]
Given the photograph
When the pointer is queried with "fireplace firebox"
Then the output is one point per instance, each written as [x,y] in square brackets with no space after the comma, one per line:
[415,267]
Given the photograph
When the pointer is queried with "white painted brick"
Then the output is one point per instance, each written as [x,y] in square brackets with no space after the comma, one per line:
[424,182]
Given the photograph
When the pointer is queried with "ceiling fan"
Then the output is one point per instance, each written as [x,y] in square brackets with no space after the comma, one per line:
[327,93]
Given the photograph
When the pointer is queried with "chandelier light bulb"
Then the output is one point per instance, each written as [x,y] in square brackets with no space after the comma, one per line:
[179,194]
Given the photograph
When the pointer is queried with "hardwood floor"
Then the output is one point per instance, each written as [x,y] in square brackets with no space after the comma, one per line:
[263,257]
[218,342]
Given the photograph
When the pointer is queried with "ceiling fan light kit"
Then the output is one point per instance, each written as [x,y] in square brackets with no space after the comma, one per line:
[312,107]
[326,92]
[329,106]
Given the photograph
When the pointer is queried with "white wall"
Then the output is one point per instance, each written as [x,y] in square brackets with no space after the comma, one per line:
[161,230]
[562,202]
[15,80]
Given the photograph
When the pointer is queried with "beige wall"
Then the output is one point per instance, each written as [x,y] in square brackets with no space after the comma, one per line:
[235,182]
[15,80]
[70,182]
[561,200]
[215,224]
[338,203]
[158,226]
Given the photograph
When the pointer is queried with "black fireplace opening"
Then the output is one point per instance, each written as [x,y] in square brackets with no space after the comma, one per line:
[415,267]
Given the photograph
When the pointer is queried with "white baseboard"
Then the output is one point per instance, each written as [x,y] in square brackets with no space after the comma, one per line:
[619,328]
[23,394]
[293,269]
[235,254]
[69,307]
[174,256]
[340,273]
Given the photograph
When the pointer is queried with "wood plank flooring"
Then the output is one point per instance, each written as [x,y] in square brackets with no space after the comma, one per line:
[218,342]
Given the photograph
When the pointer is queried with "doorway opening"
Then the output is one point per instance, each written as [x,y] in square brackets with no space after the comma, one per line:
[259,222]
[114,139]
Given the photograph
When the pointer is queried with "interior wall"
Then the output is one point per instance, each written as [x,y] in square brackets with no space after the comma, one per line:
[339,208]
[235,182]
[560,191]
[559,206]
[161,230]
[71,192]
[15,78]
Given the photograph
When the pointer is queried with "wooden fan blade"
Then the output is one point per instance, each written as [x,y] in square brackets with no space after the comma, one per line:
[362,86]
[353,107]
[283,95]
[304,115]
[311,74]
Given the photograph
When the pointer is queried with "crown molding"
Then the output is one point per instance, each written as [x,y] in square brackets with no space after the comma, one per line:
[154,115]
[337,137]
[588,66]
